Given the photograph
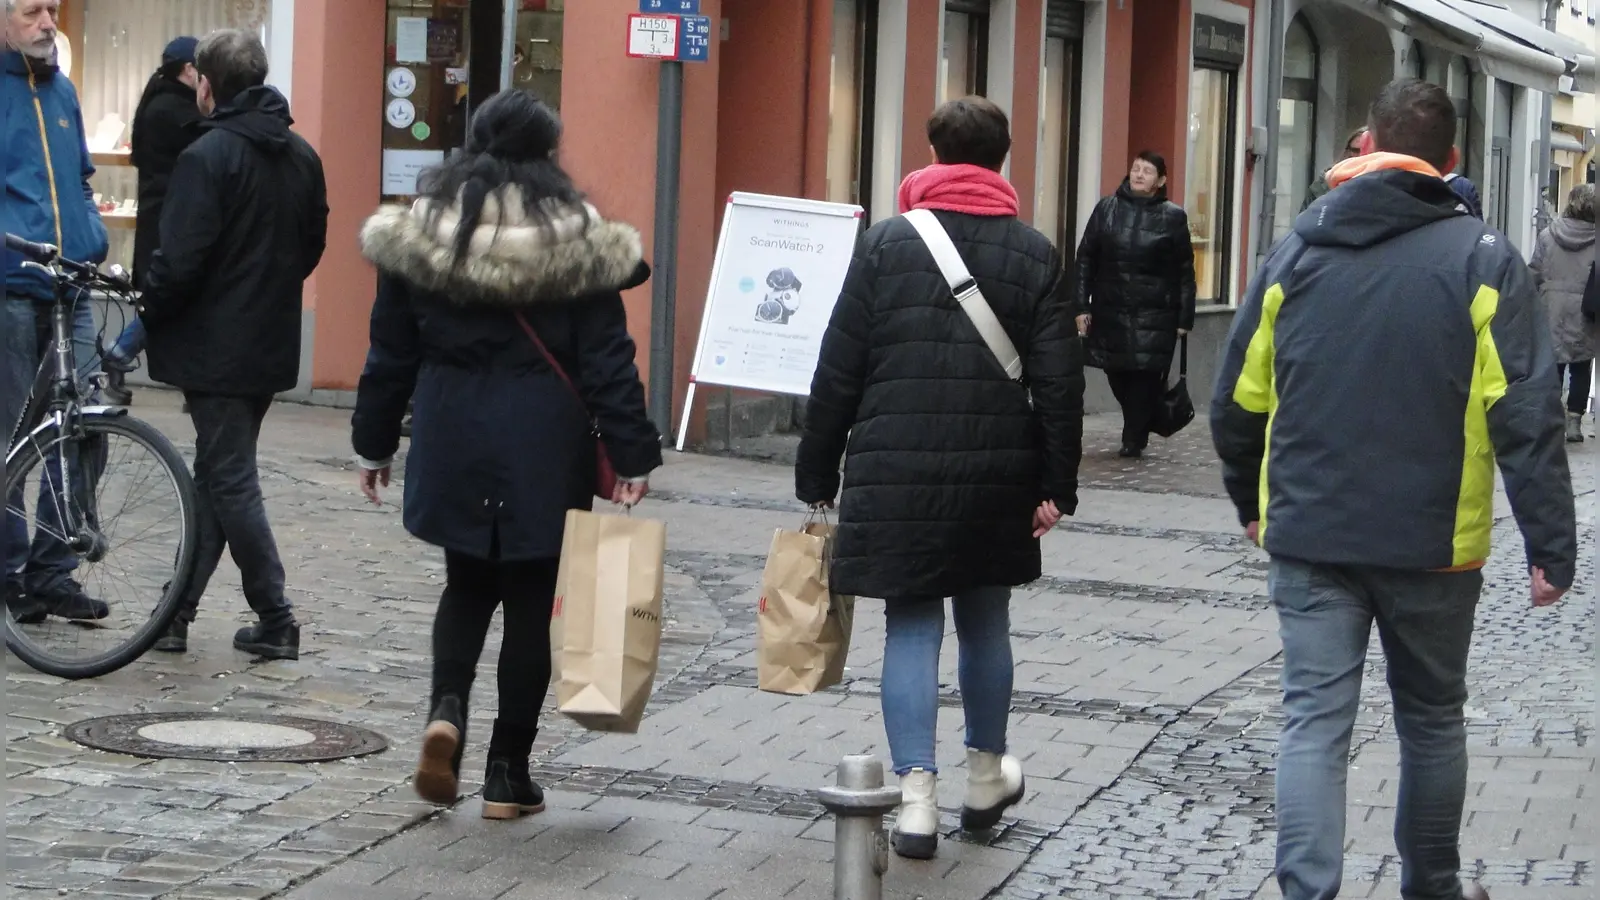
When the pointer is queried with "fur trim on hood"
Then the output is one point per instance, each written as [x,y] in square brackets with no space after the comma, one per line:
[510,261]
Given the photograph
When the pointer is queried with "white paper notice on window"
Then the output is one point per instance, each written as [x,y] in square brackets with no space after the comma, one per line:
[410,39]
[401,168]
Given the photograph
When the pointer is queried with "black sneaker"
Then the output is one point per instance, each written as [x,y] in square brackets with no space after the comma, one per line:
[176,640]
[277,642]
[24,608]
[72,602]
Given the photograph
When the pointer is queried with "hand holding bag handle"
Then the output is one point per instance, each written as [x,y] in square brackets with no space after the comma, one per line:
[965,288]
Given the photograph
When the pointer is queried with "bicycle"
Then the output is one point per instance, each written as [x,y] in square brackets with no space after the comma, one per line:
[68,439]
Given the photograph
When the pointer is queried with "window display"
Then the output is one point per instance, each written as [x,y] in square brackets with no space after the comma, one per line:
[1219,52]
[118,47]
[426,73]
[536,57]
[1055,206]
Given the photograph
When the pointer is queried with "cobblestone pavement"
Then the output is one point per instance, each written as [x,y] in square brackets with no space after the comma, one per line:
[1145,713]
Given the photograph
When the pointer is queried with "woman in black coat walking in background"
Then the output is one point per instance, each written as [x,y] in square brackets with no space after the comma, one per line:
[1135,293]
[950,476]
[501,244]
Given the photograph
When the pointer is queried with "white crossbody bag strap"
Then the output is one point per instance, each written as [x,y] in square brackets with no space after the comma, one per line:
[965,289]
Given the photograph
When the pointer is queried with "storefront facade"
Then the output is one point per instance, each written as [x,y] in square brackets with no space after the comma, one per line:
[814,98]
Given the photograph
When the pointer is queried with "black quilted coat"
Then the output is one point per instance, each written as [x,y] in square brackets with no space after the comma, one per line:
[1136,278]
[944,463]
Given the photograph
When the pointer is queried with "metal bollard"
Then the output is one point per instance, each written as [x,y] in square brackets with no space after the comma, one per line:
[860,846]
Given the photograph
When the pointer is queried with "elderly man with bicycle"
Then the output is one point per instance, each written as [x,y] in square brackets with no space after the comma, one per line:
[47,199]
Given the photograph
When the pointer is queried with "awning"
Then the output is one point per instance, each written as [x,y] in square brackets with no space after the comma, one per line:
[1446,27]
[1560,140]
[1580,57]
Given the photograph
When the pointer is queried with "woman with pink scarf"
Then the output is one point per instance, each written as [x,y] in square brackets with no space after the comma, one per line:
[953,470]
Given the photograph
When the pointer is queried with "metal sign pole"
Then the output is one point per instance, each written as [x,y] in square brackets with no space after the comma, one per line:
[663,300]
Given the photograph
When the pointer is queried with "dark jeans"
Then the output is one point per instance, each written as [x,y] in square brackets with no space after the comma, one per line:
[473,588]
[44,562]
[1325,617]
[1139,394]
[231,510]
[1575,377]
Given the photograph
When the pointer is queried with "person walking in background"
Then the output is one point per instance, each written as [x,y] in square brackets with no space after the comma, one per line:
[163,127]
[1563,257]
[1381,324]
[498,301]
[1352,149]
[47,200]
[222,303]
[1467,192]
[1135,293]
[945,463]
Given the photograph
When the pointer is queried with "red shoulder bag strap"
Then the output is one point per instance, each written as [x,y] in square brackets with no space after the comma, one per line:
[551,359]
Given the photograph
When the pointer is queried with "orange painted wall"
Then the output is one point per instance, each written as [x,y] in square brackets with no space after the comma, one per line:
[922,70]
[1025,103]
[338,107]
[761,133]
[608,102]
[819,40]
[1159,85]
[1118,102]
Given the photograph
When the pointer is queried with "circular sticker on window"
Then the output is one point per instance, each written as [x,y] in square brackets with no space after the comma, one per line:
[401,113]
[420,131]
[402,82]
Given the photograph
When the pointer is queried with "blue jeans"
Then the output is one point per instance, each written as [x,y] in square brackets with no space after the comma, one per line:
[911,673]
[45,563]
[130,343]
[1325,617]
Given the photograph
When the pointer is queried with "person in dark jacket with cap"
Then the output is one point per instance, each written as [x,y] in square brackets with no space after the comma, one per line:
[163,127]
[222,302]
[1390,352]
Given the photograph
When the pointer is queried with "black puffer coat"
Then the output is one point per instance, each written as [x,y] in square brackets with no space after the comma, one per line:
[944,463]
[500,447]
[164,125]
[1136,279]
[246,227]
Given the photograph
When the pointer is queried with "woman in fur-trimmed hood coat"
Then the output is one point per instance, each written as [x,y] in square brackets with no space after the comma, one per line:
[500,448]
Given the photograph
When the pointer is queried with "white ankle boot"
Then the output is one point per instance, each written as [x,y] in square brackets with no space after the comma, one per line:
[916,828]
[994,784]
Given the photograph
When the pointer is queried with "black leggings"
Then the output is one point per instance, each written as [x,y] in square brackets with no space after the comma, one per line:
[473,588]
[1578,386]
[1139,394]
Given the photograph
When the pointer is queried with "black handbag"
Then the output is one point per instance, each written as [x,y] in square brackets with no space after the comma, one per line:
[1176,410]
[1591,297]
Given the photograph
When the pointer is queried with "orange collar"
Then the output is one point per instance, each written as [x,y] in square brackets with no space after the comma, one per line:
[1378,162]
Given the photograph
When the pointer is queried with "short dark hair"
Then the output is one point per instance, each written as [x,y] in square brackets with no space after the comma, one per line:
[1154,159]
[233,60]
[1415,118]
[971,130]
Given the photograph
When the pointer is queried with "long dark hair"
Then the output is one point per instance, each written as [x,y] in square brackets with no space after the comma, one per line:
[511,141]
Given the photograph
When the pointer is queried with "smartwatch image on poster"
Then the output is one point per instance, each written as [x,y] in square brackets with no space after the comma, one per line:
[782,300]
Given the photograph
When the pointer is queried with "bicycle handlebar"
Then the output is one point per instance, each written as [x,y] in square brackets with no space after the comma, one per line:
[45,254]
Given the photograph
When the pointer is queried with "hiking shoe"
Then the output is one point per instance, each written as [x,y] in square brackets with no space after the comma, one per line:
[24,608]
[438,775]
[508,789]
[275,642]
[176,640]
[72,602]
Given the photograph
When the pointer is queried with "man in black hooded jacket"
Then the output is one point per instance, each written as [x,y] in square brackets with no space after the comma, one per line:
[222,303]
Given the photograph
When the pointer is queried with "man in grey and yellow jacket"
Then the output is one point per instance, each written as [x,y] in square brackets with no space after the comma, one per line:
[1389,353]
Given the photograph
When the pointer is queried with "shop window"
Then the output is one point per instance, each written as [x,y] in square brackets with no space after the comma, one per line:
[964,63]
[850,91]
[1297,125]
[1458,82]
[1055,207]
[1219,52]
[115,48]
[536,56]
[1497,193]
[426,76]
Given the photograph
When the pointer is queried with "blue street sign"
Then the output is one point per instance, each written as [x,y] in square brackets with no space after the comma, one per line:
[670,7]
[694,37]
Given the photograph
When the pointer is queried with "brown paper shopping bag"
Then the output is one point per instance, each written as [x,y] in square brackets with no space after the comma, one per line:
[803,629]
[605,631]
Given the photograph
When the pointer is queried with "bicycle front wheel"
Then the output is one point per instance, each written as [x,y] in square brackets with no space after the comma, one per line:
[108,511]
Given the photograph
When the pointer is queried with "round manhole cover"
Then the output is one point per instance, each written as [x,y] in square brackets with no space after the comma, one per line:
[226,738]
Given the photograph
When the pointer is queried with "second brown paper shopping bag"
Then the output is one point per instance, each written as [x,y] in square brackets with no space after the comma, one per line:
[605,633]
[803,628]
